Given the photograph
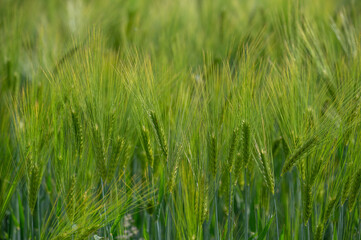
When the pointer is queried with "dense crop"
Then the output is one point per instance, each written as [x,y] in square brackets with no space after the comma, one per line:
[180,119]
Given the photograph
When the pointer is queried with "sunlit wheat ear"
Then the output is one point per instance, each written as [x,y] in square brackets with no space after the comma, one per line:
[212,155]
[34,185]
[354,190]
[114,159]
[99,152]
[298,154]
[159,133]
[267,172]
[319,231]
[147,146]
[246,142]
[307,200]
[78,131]
[346,188]
[330,205]
[70,199]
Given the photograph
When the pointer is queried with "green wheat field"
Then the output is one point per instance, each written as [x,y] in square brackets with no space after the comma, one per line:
[180,119]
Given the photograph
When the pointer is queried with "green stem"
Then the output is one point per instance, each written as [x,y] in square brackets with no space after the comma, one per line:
[105,209]
[215,209]
[245,205]
[230,207]
[274,200]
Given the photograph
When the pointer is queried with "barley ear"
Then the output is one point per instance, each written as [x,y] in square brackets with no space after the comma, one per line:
[237,168]
[99,152]
[160,134]
[330,205]
[298,154]
[307,201]
[354,190]
[203,199]
[70,199]
[319,231]
[267,172]
[246,141]
[78,131]
[114,159]
[34,184]
[232,147]
[174,172]
[212,155]
[315,171]
[346,189]
[147,146]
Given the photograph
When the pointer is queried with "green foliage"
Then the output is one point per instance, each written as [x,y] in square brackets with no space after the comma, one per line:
[180,119]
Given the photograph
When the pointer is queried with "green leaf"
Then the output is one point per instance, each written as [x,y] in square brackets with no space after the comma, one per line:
[264,232]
